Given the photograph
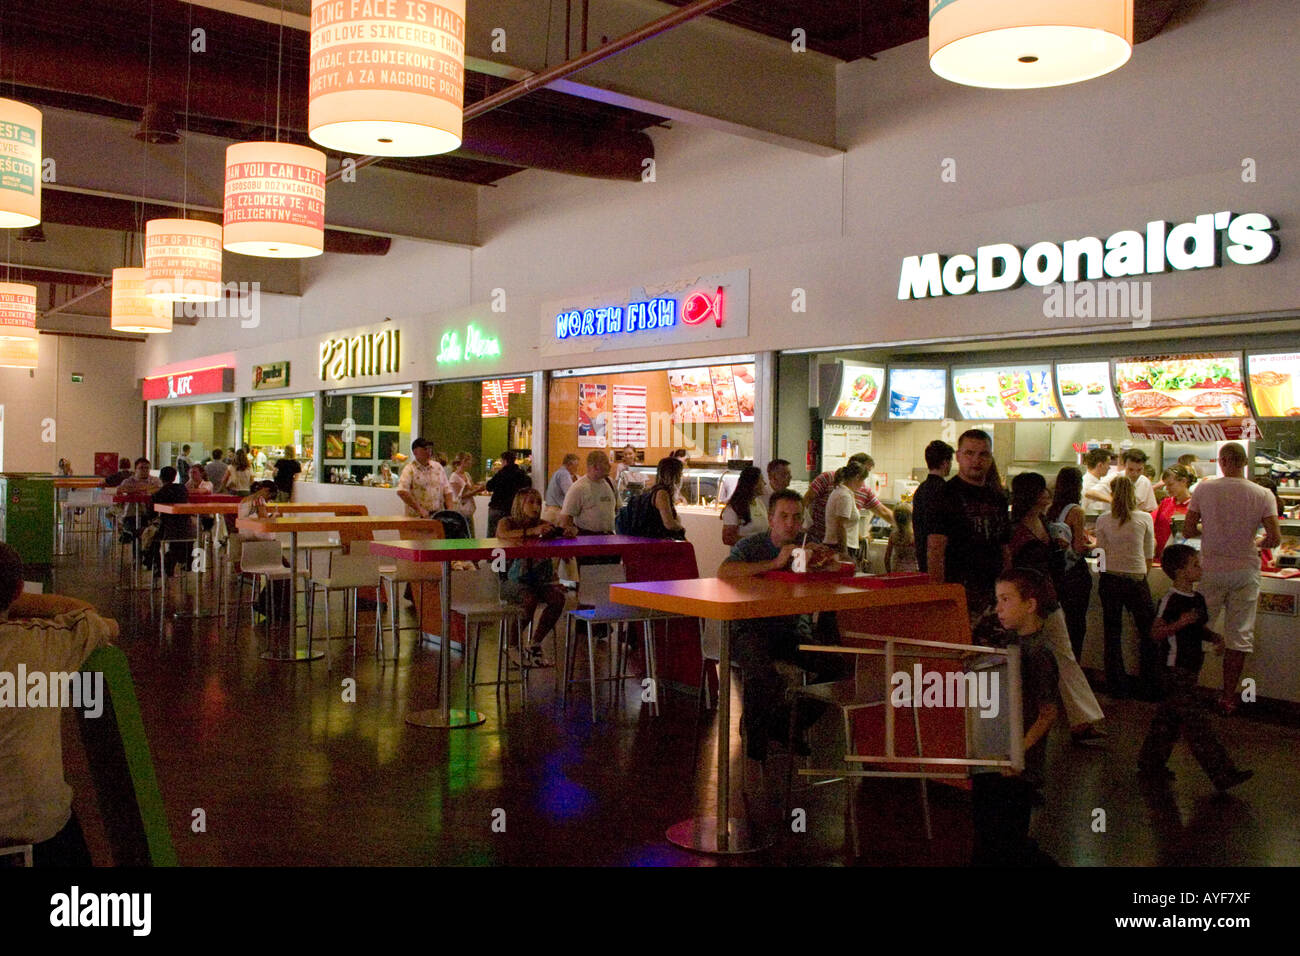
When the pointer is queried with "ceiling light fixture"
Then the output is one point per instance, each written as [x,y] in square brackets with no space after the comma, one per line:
[1014,45]
[275,200]
[182,260]
[20,147]
[132,309]
[389,81]
[17,325]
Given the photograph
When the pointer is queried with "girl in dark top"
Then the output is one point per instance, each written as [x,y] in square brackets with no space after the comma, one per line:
[662,516]
[531,581]
[1031,545]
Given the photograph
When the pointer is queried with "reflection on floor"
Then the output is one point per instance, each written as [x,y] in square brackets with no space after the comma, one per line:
[286,772]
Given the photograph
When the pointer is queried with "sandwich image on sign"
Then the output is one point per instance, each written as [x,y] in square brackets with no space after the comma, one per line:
[1182,387]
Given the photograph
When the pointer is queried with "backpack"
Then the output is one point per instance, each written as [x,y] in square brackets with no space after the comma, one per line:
[634,518]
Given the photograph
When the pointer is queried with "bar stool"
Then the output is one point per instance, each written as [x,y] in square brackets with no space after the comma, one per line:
[401,571]
[334,571]
[260,563]
[476,596]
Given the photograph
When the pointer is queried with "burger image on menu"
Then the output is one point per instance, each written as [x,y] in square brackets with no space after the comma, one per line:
[1182,388]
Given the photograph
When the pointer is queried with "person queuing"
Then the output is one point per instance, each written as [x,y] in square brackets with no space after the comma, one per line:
[509,480]
[746,510]
[217,467]
[239,475]
[938,463]
[1096,495]
[558,487]
[967,540]
[183,461]
[900,551]
[1067,524]
[1182,621]
[531,582]
[1127,539]
[1226,513]
[287,470]
[841,517]
[819,492]
[46,634]
[1133,463]
[423,486]
[463,487]
[1177,482]
[778,475]
[759,643]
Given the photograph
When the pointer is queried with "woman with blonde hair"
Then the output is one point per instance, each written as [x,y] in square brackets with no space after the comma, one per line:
[531,581]
[463,488]
[1127,540]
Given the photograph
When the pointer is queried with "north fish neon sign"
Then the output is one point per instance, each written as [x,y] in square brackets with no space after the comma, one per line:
[476,346]
[644,316]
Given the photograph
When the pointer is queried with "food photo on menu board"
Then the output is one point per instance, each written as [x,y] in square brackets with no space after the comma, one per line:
[743,376]
[1275,384]
[691,390]
[860,390]
[1206,385]
[1085,390]
[724,393]
[1012,393]
[593,413]
[917,393]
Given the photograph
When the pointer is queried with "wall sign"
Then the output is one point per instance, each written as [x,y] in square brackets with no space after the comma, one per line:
[201,381]
[370,353]
[1246,240]
[271,375]
[474,345]
[496,395]
[698,309]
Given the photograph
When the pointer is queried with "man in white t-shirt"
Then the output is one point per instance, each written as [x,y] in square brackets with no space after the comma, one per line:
[589,502]
[47,634]
[1096,491]
[1131,466]
[1227,512]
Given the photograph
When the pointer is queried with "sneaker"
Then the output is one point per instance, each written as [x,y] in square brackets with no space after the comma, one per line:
[1233,779]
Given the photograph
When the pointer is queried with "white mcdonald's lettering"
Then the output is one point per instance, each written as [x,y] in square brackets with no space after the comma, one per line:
[371,353]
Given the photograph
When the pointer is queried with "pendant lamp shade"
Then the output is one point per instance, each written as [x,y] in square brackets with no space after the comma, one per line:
[387,79]
[1015,45]
[182,260]
[275,200]
[133,310]
[17,312]
[20,165]
[18,353]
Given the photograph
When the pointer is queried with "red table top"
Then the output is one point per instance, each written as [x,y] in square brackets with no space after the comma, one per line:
[328,522]
[477,549]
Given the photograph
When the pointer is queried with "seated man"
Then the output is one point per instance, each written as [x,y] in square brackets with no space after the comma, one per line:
[759,643]
[50,634]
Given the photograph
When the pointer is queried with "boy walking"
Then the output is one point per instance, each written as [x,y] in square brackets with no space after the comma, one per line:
[1182,620]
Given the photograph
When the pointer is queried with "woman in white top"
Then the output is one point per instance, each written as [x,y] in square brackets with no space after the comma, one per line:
[254,506]
[239,475]
[1126,538]
[842,518]
[462,484]
[746,511]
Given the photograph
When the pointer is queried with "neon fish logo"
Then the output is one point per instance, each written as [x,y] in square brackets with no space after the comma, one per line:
[699,306]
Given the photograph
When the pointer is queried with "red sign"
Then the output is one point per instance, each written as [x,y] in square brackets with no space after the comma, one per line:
[201,381]
[496,395]
[700,306]
[1200,430]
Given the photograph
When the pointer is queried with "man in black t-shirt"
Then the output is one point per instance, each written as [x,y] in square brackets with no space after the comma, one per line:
[967,539]
[938,459]
[286,470]
[509,480]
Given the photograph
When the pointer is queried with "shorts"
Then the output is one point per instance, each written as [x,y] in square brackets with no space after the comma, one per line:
[1237,593]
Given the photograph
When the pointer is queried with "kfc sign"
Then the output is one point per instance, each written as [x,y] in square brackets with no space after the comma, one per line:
[186,384]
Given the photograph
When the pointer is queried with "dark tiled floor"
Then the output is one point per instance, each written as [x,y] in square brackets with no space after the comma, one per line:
[288,773]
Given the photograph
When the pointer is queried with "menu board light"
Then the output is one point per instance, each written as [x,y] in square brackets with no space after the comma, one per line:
[1275,384]
[717,393]
[496,395]
[917,394]
[1085,390]
[858,393]
[1023,393]
[1192,397]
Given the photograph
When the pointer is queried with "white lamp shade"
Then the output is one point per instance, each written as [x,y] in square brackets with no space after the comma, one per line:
[389,81]
[182,260]
[1014,45]
[20,165]
[17,312]
[18,353]
[133,310]
[275,200]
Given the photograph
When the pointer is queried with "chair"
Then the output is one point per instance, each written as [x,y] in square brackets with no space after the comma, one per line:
[334,571]
[476,596]
[309,542]
[401,571]
[596,608]
[260,562]
[158,572]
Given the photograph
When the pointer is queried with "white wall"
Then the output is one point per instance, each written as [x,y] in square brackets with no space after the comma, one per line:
[101,413]
[1163,137]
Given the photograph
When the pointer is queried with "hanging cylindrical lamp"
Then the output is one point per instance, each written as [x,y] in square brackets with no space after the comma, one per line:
[388,80]
[182,260]
[133,310]
[275,200]
[17,312]
[18,353]
[1013,45]
[20,165]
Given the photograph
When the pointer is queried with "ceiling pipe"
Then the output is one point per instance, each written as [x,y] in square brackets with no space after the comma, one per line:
[558,72]
[77,298]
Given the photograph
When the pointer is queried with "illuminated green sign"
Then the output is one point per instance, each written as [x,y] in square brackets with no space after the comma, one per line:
[476,345]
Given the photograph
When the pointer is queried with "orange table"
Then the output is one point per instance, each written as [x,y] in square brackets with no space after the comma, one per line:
[937,611]
[349,527]
[78,482]
[221,506]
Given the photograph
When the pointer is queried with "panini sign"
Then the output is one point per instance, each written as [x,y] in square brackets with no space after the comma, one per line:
[370,353]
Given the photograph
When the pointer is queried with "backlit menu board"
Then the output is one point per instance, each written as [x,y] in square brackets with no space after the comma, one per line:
[860,388]
[1085,390]
[718,393]
[496,395]
[1023,393]
[917,394]
[1275,384]
[1193,386]
[691,390]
